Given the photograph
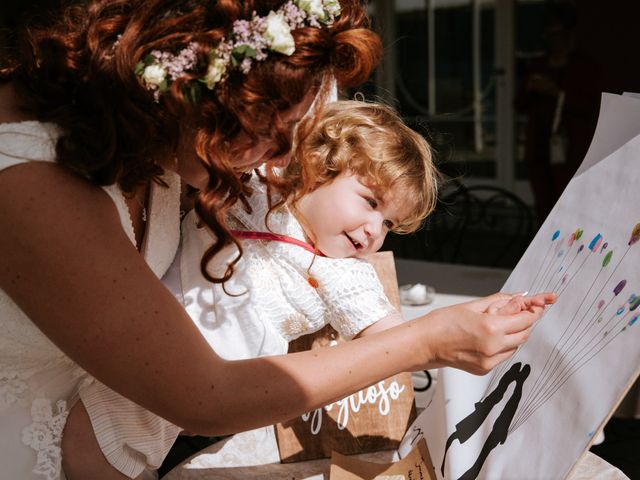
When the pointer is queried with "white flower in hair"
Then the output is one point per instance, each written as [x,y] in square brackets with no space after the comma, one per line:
[215,71]
[278,34]
[313,7]
[154,75]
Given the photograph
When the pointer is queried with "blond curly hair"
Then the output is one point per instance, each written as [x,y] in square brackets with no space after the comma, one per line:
[368,140]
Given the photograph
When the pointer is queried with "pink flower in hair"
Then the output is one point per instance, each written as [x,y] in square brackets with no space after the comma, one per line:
[249,41]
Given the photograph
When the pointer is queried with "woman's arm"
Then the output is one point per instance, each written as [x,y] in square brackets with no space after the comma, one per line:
[68,264]
[381,325]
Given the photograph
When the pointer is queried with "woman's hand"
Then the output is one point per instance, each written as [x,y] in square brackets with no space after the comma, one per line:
[465,336]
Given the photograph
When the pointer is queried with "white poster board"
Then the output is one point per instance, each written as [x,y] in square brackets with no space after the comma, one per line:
[535,415]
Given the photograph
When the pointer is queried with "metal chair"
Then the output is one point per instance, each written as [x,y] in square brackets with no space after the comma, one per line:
[480,225]
[474,225]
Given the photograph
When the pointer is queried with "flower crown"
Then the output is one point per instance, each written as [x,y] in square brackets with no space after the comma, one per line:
[249,41]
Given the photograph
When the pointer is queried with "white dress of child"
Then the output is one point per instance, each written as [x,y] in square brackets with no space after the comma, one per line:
[272,301]
[38,382]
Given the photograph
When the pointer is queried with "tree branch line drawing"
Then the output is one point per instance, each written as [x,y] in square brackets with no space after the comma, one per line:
[609,312]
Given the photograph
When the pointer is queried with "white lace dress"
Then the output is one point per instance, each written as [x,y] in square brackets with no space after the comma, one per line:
[274,302]
[38,382]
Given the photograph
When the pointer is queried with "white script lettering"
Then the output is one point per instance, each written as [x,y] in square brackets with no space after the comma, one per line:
[378,393]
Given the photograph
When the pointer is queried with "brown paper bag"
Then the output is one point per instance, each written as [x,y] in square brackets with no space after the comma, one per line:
[373,419]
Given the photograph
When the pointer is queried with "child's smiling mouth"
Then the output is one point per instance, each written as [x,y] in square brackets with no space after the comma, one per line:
[357,245]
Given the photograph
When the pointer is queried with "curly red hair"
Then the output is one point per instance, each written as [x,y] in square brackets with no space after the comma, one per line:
[77,69]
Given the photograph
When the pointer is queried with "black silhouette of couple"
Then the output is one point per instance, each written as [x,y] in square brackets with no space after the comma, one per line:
[498,435]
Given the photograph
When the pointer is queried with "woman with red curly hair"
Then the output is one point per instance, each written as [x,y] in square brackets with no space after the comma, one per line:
[104,108]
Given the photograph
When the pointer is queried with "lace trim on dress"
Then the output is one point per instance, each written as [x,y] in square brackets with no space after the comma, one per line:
[44,436]
[12,385]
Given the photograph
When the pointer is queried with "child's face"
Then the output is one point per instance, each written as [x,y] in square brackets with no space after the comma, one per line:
[345,218]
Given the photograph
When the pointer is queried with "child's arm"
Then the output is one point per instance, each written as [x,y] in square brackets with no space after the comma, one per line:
[519,303]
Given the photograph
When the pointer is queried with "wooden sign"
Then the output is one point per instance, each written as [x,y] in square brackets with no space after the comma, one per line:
[373,419]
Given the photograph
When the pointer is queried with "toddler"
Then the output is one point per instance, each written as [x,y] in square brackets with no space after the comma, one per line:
[358,173]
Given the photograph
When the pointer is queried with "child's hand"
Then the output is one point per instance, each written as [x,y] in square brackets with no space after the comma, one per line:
[519,303]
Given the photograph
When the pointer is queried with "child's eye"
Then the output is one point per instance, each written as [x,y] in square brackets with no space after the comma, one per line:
[388,224]
[372,202]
